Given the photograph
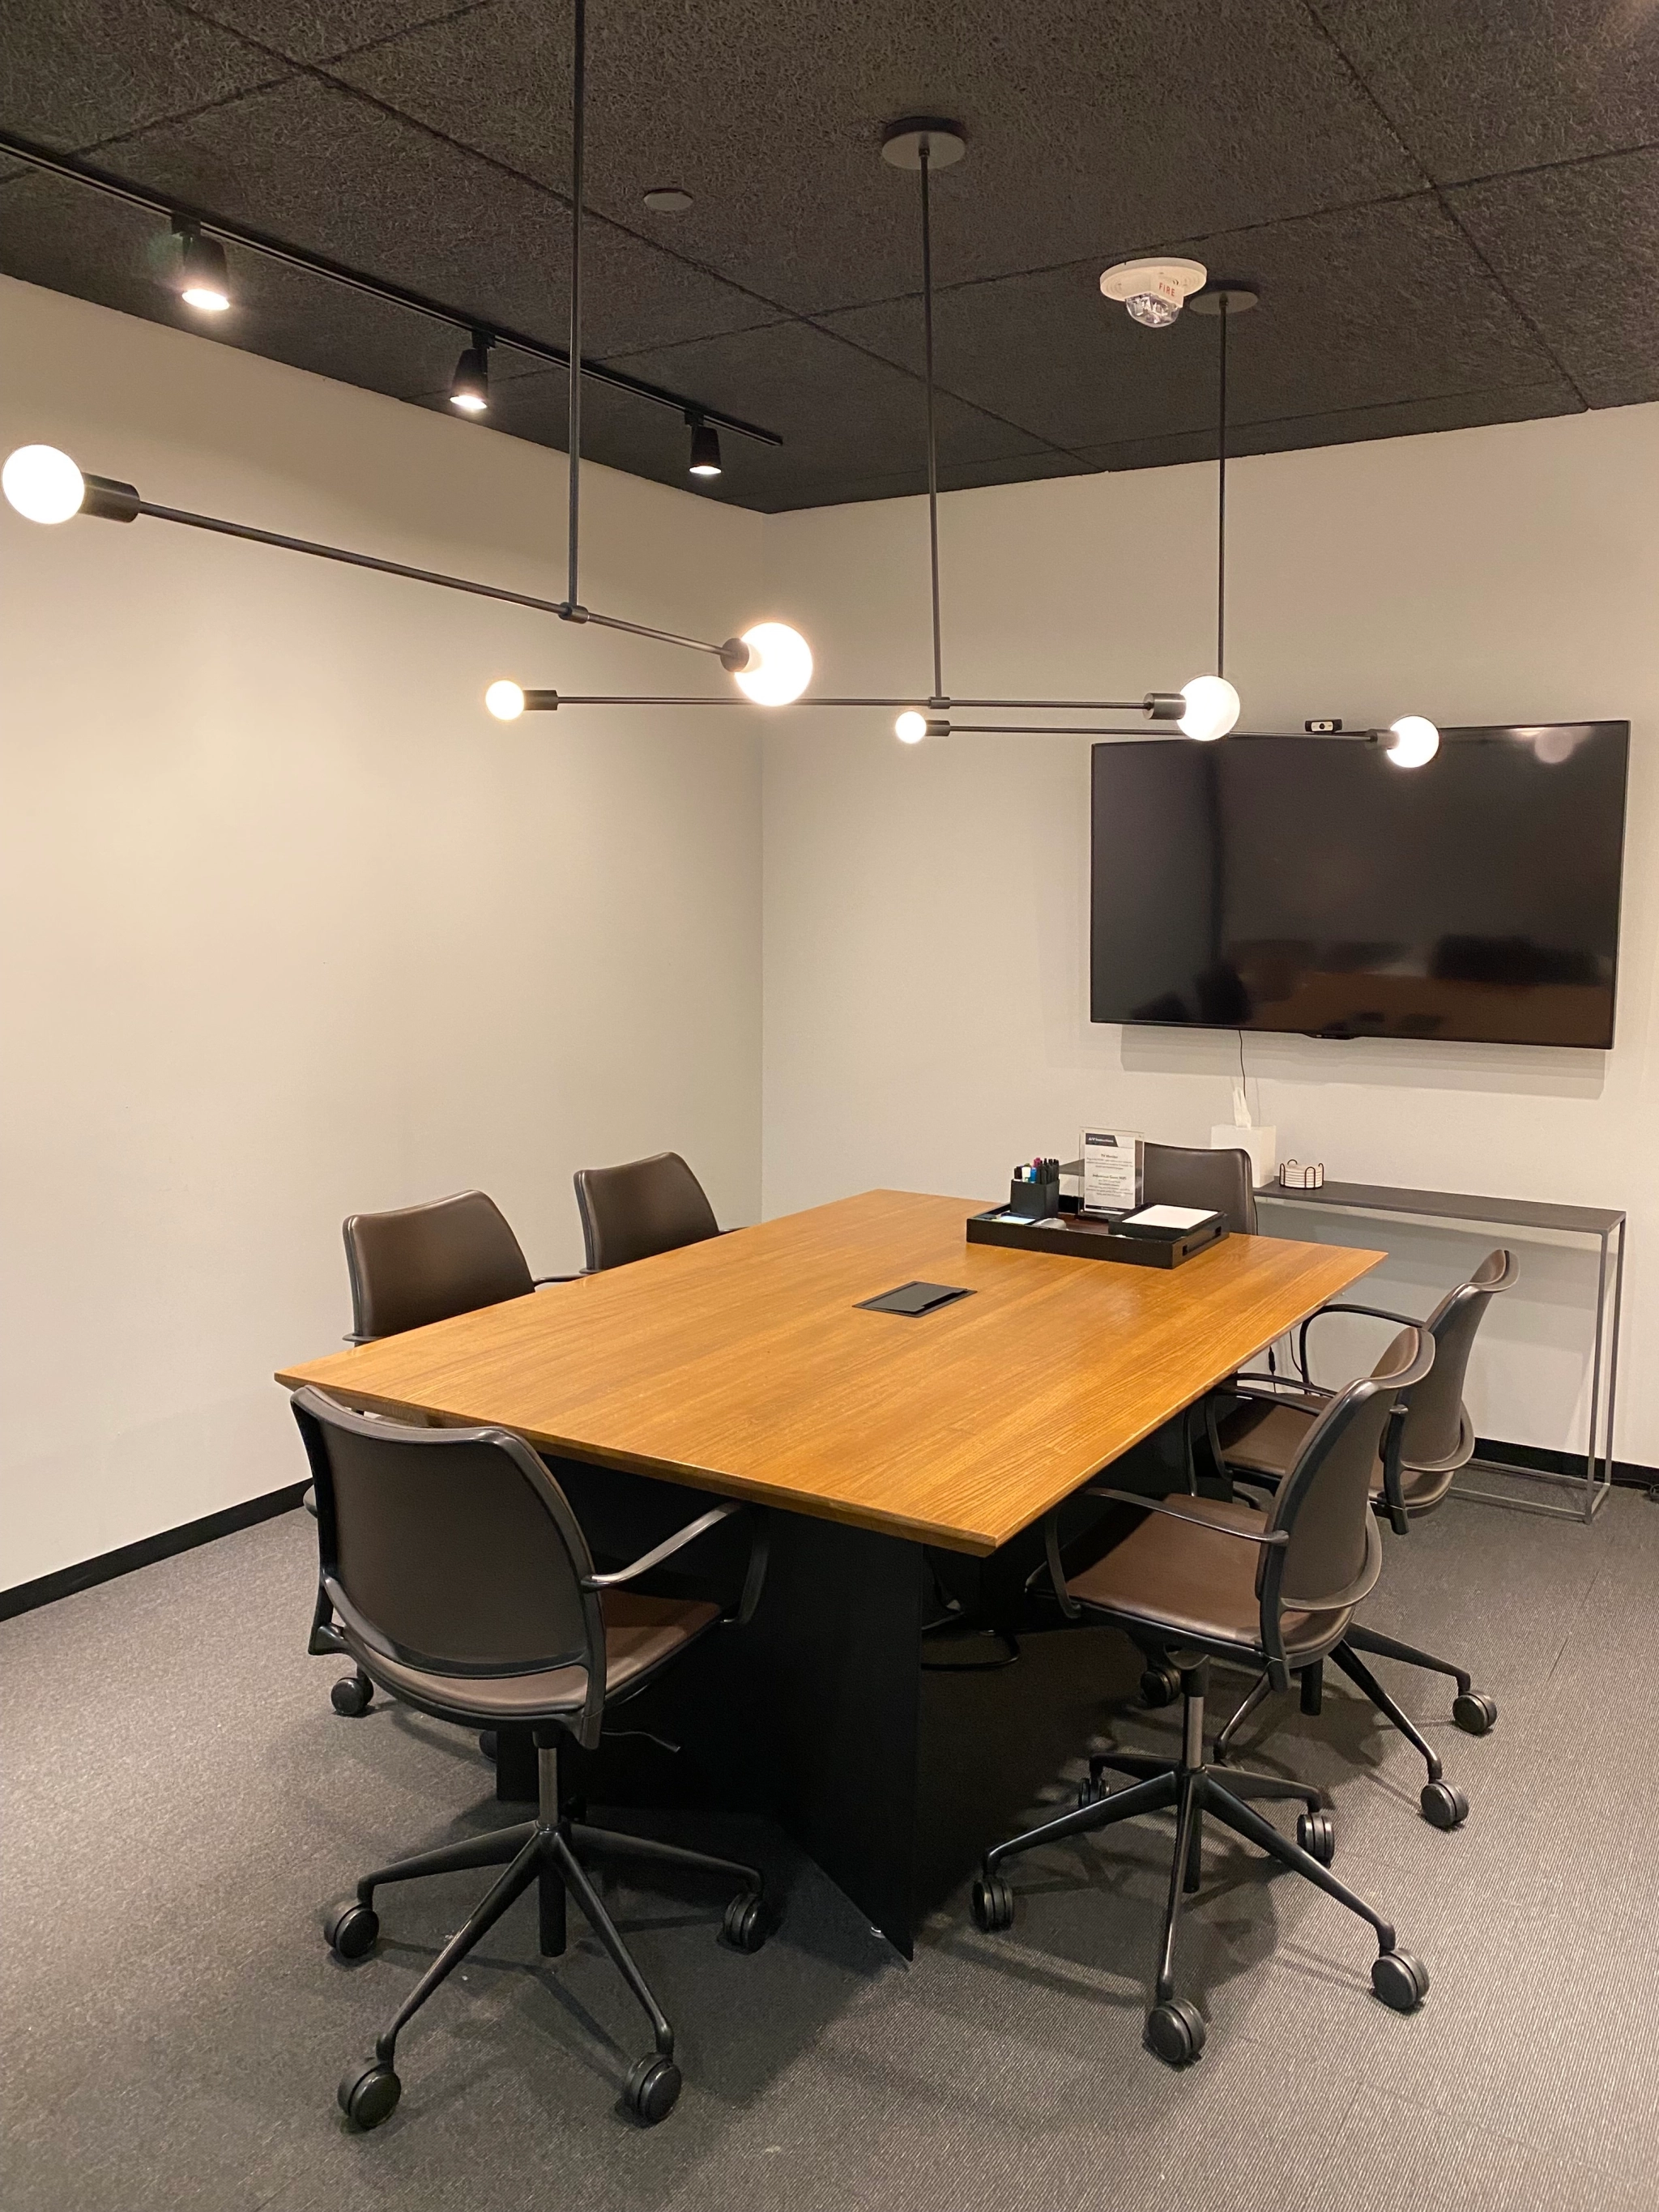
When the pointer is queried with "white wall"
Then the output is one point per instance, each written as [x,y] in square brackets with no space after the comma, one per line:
[289,927]
[926,908]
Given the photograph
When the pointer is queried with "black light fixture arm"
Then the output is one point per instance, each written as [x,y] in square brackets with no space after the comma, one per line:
[115,502]
[336,272]
[573,442]
[924,156]
[1221,497]
[1157,706]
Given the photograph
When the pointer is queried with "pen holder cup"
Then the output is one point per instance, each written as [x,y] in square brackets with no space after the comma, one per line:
[1034,1201]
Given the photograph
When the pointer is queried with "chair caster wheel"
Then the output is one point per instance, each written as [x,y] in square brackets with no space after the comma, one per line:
[1442,1806]
[1475,1715]
[651,2089]
[486,1744]
[744,1926]
[993,1904]
[1175,2032]
[1316,1835]
[351,1929]
[352,1695]
[369,2094]
[1400,1980]
[1160,1686]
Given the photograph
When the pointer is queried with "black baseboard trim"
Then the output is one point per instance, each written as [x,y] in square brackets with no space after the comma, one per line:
[23,1597]
[1534,1458]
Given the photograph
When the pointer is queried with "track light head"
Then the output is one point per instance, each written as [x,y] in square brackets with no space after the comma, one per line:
[202,279]
[705,459]
[468,388]
[1154,292]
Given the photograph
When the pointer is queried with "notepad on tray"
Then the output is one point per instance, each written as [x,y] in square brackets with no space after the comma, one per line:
[1166,1221]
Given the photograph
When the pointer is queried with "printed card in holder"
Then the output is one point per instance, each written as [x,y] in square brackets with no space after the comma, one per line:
[1111,1170]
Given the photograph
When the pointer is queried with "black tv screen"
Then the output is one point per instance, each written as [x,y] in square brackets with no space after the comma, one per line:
[1307,884]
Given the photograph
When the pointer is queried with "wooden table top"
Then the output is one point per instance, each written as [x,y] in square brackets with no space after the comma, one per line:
[743,1364]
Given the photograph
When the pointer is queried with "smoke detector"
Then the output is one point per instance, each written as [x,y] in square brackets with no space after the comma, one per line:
[1154,292]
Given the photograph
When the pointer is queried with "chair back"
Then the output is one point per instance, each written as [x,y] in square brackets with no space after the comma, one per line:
[1188,1174]
[423,1263]
[449,1550]
[643,1208]
[1335,1554]
[1438,1433]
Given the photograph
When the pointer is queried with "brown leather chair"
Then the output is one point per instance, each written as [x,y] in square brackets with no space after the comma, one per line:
[1192,1175]
[1189,1175]
[462,1582]
[410,1266]
[1220,1577]
[641,1208]
[1436,1437]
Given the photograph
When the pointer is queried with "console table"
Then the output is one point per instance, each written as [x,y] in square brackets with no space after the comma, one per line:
[1606,1224]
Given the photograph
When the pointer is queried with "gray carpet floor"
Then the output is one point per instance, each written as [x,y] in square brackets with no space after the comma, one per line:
[180,1802]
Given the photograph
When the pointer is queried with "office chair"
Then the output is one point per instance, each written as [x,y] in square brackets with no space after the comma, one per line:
[641,1208]
[1217,1578]
[1436,1437]
[414,1265]
[463,1583]
[1190,1175]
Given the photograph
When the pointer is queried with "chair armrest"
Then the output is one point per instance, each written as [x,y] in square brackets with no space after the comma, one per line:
[1275,1536]
[1270,1387]
[1375,1313]
[667,1549]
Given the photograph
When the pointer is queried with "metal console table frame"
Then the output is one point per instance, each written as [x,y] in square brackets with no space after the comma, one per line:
[1605,1224]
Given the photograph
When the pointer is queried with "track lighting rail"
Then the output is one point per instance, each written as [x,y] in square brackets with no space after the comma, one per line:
[318,264]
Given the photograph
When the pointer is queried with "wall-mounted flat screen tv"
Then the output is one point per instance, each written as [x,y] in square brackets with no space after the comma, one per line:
[1307,883]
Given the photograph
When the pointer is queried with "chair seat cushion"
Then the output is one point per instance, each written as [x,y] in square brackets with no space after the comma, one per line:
[1187,1581]
[640,1634]
[1263,1438]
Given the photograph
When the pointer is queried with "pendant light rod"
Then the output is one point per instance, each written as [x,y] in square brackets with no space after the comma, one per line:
[924,161]
[1158,707]
[336,272]
[119,502]
[1224,298]
[573,441]
[1220,494]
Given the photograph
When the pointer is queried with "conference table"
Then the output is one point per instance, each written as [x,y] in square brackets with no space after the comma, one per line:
[748,1367]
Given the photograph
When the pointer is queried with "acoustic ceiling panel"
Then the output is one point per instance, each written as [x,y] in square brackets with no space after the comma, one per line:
[1446,209]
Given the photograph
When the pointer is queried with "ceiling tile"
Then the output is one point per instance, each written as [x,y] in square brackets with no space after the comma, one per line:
[1579,248]
[1090,131]
[1350,426]
[847,421]
[325,171]
[77,71]
[53,233]
[314,30]
[1367,306]
[842,414]
[1490,85]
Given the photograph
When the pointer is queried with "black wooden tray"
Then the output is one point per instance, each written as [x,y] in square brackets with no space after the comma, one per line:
[1078,1237]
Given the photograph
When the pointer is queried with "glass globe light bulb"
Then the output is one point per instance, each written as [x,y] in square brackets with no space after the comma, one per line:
[505,700]
[1211,708]
[42,484]
[1416,740]
[780,665]
[911,727]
